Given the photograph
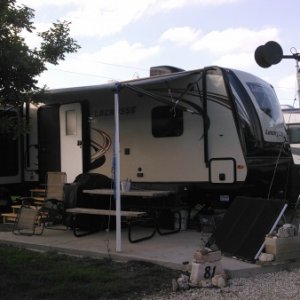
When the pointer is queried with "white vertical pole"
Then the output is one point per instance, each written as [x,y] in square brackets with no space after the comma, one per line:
[298,81]
[117,174]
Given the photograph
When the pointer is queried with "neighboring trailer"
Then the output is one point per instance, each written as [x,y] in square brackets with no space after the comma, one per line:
[292,119]
[211,134]
[18,153]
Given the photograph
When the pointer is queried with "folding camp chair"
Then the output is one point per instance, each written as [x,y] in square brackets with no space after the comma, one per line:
[27,221]
[52,211]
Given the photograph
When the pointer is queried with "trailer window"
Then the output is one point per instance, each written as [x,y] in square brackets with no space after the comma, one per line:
[167,121]
[71,125]
[9,149]
[249,123]
[266,99]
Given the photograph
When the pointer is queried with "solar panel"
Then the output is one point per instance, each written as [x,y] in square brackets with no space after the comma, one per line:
[242,231]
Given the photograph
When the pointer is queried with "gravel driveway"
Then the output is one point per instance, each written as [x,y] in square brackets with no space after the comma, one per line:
[280,285]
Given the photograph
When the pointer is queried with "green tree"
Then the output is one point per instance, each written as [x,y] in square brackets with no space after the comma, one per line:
[19,64]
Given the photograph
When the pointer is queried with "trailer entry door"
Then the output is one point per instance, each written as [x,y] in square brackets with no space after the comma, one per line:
[71,140]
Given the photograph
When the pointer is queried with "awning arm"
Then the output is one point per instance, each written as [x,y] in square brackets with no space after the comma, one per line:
[163,99]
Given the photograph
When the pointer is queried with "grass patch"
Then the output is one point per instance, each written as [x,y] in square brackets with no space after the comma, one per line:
[31,275]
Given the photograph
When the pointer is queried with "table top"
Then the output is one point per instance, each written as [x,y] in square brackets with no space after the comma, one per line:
[132,193]
[105,212]
[37,190]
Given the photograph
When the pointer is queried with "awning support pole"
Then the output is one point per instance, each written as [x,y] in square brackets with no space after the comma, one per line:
[117,171]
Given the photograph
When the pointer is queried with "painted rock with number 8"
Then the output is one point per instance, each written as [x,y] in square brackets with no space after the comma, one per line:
[205,271]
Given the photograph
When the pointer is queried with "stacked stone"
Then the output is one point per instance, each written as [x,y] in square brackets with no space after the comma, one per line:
[282,245]
[207,269]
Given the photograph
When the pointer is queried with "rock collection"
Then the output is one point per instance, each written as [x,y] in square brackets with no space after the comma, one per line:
[206,271]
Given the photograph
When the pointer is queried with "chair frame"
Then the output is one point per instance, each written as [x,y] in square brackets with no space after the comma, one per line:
[27,220]
[55,182]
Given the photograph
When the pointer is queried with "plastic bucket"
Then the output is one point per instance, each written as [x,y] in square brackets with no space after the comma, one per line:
[184,220]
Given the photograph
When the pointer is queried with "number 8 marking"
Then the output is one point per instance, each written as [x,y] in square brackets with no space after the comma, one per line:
[208,274]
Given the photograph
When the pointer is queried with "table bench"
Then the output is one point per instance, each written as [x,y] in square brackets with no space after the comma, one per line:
[130,217]
[143,195]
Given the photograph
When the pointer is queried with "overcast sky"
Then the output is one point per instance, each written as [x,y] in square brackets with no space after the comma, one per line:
[122,39]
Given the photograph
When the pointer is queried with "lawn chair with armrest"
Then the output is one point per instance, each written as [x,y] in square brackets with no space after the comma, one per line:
[53,211]
[28,220]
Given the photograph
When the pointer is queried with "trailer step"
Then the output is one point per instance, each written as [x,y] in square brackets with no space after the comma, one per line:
[38,200]
[8,218]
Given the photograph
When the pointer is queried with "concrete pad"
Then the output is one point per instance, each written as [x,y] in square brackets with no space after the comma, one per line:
[174,250]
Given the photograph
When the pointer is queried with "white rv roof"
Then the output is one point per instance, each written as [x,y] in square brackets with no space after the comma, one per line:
[75,94]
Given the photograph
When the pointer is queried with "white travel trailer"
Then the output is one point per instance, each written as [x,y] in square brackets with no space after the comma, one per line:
[211,133]
[292,119]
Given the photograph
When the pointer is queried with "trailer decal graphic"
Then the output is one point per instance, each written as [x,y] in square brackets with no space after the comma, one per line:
[100,144]
[128,110]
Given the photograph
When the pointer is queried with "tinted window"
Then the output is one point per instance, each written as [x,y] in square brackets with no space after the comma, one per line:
[167,121]
[265,98]
[247,115]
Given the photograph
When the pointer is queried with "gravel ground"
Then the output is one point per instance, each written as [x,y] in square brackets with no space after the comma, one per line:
[279,285]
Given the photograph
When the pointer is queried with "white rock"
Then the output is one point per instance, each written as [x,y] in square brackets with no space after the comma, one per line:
[183,282]
[175,286]
[264,257]
[206,283]
[286,230]
[219,281]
